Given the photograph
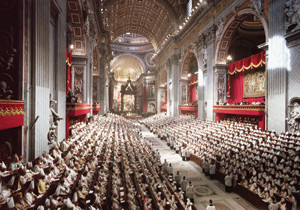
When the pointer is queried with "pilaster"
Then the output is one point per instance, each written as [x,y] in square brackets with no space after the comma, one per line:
[277,67]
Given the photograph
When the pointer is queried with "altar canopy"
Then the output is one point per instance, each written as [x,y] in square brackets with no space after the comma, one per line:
[251,70]
[128,97]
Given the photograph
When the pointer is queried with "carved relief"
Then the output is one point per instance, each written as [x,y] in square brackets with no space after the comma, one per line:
[292,12]
[175,58]
[183,94]
[148,59]
[221,88]
[293,119]
[5,83]
[95,90]
[203,44]
[220,29]
[257,5]
[7,55]
[151,92]
[78,83]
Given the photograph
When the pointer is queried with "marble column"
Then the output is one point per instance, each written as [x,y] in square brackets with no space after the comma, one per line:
[174,97]
[198,50]
[89,77]
[169,86]
[160,92]
[102,81]
[157,92]
[41,41]
[106,99]
[209,85]
[276,106]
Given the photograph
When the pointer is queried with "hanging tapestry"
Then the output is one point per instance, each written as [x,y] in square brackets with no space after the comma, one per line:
[254,83]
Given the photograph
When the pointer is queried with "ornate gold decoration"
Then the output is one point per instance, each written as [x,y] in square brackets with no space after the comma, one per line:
[127,66]
[11,111]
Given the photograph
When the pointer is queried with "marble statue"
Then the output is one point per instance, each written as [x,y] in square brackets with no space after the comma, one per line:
[294,117]
[220,29]
[7,60]
[5,93]
[257,5]
[292,12]
[54,118]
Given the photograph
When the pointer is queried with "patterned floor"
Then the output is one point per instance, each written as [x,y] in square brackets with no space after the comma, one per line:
[206,188]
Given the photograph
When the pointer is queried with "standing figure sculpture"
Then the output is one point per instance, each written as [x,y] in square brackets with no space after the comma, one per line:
[292,12]
[54,118]
[294,119]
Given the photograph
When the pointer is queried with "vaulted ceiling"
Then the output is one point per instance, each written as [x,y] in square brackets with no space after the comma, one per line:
[153,19]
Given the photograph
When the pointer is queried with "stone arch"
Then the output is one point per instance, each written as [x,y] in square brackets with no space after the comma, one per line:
[186,63]
[229,29]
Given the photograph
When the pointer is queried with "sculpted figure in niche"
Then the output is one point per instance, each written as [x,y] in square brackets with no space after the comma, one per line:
[54,118]
[204,53]
[7,60]
[257,5]
[5,94]
[220,29]
[293,14]
[294,119]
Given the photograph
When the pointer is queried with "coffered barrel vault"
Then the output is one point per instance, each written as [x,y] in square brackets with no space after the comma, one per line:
[154,19]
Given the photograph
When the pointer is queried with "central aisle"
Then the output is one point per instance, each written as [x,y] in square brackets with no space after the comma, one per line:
[205,188]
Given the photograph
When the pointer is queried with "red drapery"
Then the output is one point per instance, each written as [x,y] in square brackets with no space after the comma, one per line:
[11,114]
[166,93]
[69,64]
[235,77]
[236,92]
[192,86]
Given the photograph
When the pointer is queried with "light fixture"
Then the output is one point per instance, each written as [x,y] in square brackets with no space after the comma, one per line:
[229,58]
[189,75]
[71,46]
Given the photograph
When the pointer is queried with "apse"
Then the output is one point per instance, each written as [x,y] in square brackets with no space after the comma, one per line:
[127,67]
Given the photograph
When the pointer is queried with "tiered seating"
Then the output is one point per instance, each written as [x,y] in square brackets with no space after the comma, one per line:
[262,162]
[104,165]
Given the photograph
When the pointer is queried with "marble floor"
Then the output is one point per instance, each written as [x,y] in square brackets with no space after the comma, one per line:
[205,188]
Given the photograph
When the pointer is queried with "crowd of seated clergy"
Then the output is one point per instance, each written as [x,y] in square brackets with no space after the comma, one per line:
[265,163]
[104,163]
[243,119]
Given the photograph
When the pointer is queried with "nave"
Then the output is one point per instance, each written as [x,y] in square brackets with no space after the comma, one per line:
[205,188]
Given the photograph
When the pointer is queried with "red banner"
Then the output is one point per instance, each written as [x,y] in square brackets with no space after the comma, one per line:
[69,64]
